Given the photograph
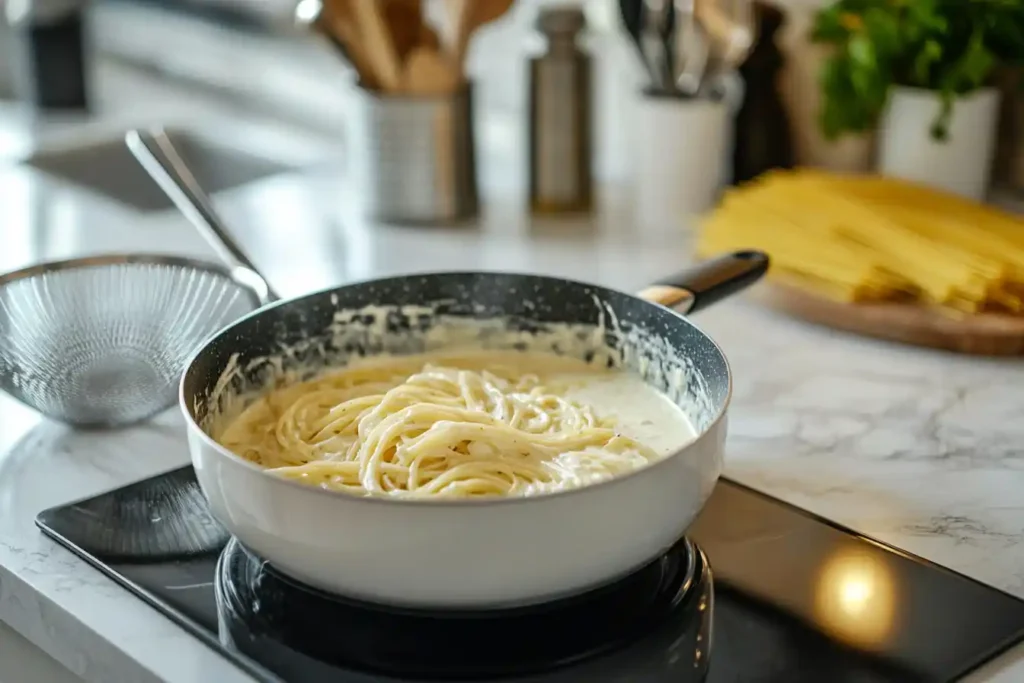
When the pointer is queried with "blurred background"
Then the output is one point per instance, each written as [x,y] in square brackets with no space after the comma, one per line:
[351,138]
[873,148]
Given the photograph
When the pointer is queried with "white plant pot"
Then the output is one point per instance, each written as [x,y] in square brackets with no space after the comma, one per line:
[962,163]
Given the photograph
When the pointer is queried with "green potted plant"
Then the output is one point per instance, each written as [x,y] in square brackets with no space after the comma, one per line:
[922,72]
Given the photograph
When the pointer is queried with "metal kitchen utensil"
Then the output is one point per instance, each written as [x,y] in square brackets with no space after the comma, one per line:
[673,46]
[414,156]
[656,24]
[632,12]
[729,26]
[690,49]
[157,155]
[102,341]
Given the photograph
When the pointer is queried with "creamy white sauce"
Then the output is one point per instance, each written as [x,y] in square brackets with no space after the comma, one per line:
[620,401]
[642,352]
[640,411]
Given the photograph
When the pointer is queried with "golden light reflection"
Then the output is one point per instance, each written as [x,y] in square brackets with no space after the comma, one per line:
[855,598]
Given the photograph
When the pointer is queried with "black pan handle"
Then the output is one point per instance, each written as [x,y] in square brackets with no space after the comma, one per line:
[708,282]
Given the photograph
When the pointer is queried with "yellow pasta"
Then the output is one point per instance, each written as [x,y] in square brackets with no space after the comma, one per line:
[869,238]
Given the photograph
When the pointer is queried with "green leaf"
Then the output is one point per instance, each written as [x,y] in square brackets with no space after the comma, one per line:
[930,54]
[950,46]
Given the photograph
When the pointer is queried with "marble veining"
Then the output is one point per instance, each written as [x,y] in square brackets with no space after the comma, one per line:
[876,436]
[920,449]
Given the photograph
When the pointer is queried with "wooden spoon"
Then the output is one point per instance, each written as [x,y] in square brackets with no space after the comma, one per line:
[338,23]
[429,38]
[404,19]
[309,14]
[380,49]
[731,37]
[487,11]
[428,72]
[469,15]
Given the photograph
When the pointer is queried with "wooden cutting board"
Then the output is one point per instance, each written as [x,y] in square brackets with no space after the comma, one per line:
[983,335]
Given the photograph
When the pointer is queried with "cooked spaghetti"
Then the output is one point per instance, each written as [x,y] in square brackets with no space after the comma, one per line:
[451,427]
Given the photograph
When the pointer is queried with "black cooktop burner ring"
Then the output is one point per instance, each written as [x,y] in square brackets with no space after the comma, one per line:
[681,560]
[298,625]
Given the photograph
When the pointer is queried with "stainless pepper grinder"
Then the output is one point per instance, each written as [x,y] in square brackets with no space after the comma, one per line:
[560,116]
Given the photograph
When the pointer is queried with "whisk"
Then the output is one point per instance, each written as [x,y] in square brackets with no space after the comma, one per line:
[102,341]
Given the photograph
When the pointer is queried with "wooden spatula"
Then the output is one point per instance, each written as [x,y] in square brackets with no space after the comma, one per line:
[489,10]
[429,38]
[380,49]
[466,17]
[404,19]
[428,72]
[337,21]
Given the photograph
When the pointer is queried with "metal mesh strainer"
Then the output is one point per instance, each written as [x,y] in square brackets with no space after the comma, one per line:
[102,341]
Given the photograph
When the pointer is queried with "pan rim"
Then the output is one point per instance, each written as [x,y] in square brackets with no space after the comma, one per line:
[221,451]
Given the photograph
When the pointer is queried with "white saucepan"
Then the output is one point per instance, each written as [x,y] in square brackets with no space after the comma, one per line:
[456,554]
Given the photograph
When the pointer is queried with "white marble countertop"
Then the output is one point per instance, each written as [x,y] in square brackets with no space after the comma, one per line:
[916,448]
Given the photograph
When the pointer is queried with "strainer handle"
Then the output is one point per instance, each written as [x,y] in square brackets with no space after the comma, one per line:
[156,154]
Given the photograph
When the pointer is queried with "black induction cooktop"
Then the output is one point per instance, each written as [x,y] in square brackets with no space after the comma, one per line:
[759,592]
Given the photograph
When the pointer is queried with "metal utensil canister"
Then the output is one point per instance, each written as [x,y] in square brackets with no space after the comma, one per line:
[414,156]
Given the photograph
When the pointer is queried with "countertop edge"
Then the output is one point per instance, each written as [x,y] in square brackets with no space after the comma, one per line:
[55,629]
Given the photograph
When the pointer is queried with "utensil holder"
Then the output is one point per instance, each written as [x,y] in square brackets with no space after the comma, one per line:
[414,157]
[682,149]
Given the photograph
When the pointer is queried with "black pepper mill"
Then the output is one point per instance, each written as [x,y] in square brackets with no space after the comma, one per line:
[49,43]
[560,116]
[763,138]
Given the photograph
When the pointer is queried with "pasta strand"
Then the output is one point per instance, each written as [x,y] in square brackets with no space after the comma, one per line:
[447,428]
